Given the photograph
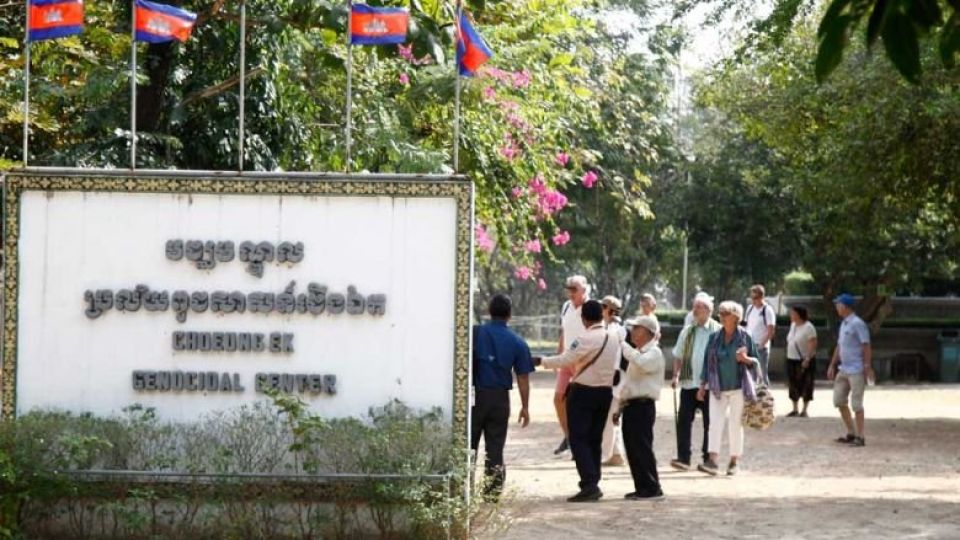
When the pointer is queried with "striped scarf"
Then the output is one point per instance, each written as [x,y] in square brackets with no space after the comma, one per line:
[686,352]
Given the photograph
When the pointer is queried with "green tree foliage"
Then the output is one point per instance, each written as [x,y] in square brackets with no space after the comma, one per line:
[871,161]
[559,85]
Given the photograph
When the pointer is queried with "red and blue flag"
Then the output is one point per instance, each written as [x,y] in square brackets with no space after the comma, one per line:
[51,19]
[160,23]
[472,52]
[378,25]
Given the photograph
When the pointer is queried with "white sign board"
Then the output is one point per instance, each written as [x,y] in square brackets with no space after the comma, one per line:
[196,302]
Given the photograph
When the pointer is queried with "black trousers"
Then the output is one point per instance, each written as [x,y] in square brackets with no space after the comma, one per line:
[801,380]
[490,417]
[637,420]
[688,411]
[587,409]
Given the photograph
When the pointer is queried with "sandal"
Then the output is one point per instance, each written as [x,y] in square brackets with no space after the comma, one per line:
[847,439]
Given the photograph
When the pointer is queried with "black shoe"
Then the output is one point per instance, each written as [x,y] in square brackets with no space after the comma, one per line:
[709,467]
[859,441]
[793,414]
[643,496]
[564,446]
[586,496]
[847,439]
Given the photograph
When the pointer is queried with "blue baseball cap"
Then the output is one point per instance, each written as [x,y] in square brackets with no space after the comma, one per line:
[845,299]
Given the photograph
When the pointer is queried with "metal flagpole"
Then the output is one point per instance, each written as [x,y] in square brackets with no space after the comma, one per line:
[456,93]
[26,91]
[133,85]
[348,128]
[243,80]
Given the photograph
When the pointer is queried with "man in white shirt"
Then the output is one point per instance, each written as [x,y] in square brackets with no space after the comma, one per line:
[641,390]
[761,323]
[571,327]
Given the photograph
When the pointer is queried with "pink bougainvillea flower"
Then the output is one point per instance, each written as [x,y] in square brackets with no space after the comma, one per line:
[589,179]
[406,52]
[541,284]
[551,202]
[509,151]
[532,246]
[489,93]
[562,159]
[404,78]
[561,238]
[521,79]
[517,192]
[509,105]
[483,240]
[537,185]
[523,273]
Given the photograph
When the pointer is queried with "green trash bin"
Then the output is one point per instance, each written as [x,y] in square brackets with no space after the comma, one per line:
[949,356]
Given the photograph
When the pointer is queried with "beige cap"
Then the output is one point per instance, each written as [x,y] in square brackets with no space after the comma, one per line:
[645,321]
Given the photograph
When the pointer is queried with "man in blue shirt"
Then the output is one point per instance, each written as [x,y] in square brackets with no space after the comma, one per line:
[498,353]
[854,356]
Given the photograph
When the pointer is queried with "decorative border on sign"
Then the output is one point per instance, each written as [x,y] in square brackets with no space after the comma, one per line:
[458,188]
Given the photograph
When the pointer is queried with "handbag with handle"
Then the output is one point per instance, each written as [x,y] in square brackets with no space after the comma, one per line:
[759,414]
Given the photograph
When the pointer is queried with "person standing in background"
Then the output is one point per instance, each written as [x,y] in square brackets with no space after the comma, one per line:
[612,454]
[801,359]
[761,323]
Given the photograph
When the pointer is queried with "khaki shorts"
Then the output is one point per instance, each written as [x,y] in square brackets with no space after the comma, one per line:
[847,384]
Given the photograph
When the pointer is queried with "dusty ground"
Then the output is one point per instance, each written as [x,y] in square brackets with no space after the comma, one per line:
[794,481]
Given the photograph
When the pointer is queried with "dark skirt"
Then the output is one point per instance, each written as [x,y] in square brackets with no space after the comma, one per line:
[801,380]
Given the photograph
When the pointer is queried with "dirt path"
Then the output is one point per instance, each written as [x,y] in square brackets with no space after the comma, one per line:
[794,482]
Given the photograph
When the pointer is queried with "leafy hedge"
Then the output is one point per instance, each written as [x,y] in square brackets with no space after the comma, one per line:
[200,483]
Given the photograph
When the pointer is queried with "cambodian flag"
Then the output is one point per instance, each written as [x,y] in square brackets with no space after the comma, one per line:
[378,25]
[50,19]
[160,23]
[472,52]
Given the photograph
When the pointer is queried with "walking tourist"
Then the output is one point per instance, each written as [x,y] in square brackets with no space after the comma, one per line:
[497,351]
[801,359]
[688,318]
[593,356]
[727,376]
[641,390]
[571,327]
[688,355]
[851,367]
[761,323]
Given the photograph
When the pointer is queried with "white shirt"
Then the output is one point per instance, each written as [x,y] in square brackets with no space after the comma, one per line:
[571,323]
[798,340]
[598,339]
[758,318]
[644,376]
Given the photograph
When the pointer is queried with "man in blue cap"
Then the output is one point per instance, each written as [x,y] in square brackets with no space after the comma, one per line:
[853,356]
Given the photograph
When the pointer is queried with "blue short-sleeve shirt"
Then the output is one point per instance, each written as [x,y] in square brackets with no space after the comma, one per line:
[498,353]
[853,335]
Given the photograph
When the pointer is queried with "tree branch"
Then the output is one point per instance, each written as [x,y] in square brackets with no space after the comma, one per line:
[216,89]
